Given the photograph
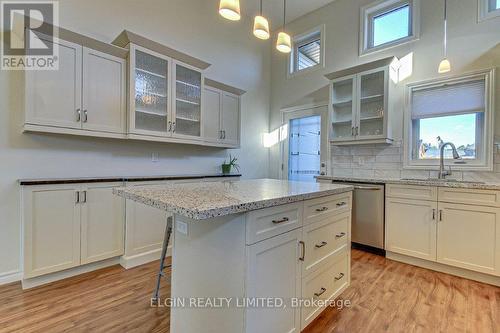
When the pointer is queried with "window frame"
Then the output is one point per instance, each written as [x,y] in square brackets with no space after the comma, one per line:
[373,10]
[483,11]
[303,39]
[484,162]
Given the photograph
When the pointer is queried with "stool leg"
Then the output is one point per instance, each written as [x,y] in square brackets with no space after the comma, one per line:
[166,240]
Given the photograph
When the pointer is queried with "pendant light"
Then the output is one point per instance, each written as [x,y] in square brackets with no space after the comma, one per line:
[284,42]
[230,9]
[261,25]
[445,66]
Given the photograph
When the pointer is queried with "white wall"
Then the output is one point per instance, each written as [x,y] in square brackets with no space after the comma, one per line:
[191,26]
[471,47]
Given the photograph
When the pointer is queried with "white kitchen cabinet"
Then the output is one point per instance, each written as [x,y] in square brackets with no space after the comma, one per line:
[102,223]
[410,227]
[274,270]
[212,107]
[230,119]
[51,216]
[86,94]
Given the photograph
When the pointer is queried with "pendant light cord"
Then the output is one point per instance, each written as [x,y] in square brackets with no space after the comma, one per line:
[445,27]
[284,14]
[260,7]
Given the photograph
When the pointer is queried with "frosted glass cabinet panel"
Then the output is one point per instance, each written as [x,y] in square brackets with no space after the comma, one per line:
[188,87]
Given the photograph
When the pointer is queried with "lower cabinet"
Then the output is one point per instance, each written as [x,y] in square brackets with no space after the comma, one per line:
[70,225]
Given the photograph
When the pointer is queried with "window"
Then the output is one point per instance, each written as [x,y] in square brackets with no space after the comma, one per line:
[453,110]
[488,9]
[308,51]
[388,23]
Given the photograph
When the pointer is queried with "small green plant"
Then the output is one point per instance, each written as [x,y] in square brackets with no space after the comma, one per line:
[226,166]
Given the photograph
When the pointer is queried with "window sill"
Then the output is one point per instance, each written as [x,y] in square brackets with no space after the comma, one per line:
[488,16]
[456,167]
[410,39]
[305,71]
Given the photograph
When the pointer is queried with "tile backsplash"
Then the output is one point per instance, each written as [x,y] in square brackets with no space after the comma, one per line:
[376,161]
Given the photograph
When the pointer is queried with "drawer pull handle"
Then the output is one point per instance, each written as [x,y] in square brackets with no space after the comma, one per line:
[303,246]
[342,234]
[319,246]
[285,219]
[322,209]
[323,290]
[341,204]
[341,275]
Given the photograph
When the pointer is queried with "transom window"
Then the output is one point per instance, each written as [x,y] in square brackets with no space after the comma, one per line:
[307,51]
[488,9]
[452,110]
[388,23]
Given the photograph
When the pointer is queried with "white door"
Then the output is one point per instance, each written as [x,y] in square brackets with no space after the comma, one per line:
[305,150]
[51,229]
[104,93]
[230,118]
[410,227]
[469,237]
[102,223]
[53,97]
[212,106]
[274,271]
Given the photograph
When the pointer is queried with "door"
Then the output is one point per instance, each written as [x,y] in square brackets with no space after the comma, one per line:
[104,94]
[149,92]
[102,223]
[372,104]
[468,237]
[187,102]
[53,97]
[305,150]
[343,109]
[51,229]
[212,106]
[410,227]
[274,271]
[230,118]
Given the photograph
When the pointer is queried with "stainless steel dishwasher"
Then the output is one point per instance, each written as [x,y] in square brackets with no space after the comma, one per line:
[368,215]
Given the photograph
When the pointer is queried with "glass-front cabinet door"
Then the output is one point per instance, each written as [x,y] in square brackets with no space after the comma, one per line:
[187,104]
[150,86]
[343,105]
[372,104]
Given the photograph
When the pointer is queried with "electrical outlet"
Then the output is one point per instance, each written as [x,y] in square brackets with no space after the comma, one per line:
[181,227]
[155,157]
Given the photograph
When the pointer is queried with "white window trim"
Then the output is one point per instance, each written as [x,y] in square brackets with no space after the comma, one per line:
[291,58]
[483,12]
[486,163]
[368,11]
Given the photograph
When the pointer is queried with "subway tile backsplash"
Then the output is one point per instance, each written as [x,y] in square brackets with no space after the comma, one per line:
[375,161]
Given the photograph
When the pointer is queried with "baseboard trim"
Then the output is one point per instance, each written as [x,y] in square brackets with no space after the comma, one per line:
[128,262]
[44,279]
[435,266]
[10,277]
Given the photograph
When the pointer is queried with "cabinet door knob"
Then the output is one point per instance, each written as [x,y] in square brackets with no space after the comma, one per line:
[77,200]
[341,275]
[78,115]
[319,246]
[440,215]
[285,219]
[433,214]
[85,116]
[303,246]
[322,291]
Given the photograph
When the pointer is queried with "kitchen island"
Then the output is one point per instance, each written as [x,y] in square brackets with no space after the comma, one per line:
[247,253]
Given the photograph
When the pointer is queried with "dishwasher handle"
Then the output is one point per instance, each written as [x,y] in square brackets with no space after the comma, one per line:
[368,188]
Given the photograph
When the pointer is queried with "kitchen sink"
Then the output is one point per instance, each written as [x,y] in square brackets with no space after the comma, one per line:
[442,180]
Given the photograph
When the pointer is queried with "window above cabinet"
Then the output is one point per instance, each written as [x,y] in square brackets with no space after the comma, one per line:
[308,52]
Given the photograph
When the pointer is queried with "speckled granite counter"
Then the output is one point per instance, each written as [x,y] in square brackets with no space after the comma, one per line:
[207,200]
[422,182]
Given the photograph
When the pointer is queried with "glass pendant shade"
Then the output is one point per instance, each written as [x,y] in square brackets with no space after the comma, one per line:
[444,66]
[284,43]
[261,27]
[230,9]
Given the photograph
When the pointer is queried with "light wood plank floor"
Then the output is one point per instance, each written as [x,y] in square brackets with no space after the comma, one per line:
[386,296]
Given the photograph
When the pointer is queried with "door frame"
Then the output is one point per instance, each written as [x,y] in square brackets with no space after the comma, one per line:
[302,111]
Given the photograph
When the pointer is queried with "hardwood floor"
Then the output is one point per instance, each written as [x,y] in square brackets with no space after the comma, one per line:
[386,296]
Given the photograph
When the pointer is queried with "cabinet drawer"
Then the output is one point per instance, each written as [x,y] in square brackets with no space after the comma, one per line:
[411,192]
[269,222]
[325,207]
[469,196]
[323,240]
[324,285]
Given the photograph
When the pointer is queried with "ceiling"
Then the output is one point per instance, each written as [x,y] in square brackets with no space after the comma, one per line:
[273,9]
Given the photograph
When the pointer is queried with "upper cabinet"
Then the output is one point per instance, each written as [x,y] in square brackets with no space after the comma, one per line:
[361,104]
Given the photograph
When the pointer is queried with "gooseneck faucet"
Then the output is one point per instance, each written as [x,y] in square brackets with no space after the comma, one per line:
[442,172]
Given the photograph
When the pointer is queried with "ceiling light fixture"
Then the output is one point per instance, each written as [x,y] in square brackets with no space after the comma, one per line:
[230,9]
[284,42]
[444,65]
[261,25]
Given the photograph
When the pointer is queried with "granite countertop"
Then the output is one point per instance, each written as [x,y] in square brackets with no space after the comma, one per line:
[421,182]
[211,199]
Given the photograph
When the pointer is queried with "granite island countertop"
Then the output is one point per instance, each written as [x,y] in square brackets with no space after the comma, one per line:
[421,182]
[208,200]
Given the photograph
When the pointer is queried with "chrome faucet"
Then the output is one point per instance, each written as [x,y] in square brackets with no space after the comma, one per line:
[442,172]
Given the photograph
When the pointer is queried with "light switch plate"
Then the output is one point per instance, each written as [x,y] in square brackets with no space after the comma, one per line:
[181,227]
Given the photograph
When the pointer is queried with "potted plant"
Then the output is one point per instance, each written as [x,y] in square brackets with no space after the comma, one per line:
[226,166]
